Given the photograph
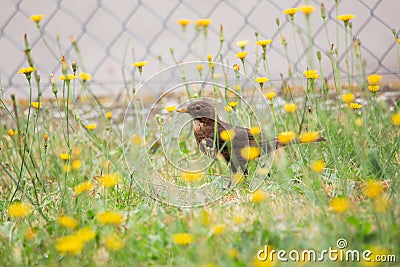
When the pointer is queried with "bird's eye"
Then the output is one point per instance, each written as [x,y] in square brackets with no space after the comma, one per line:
[197,108]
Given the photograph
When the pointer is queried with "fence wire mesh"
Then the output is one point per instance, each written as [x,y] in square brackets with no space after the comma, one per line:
[112,34]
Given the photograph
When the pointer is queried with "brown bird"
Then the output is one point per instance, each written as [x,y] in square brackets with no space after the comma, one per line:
[208,137]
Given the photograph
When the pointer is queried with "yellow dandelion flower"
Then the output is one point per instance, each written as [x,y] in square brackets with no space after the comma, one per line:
[209,57]
[255,130]
[378,253]
[242,44]
[381,204]
[290,107]
[139,64]
[19,210]
[67,222]
[70,244]
[307,9]
[396,119]
[218,229]
[12,132]
[348,98]
[203,22]
[241,55]
[238,219]
[291,11]
[85,234]
[250,152]
[36,105]
[204,217]
[137,140]
[182,239]
[318,166]
[191,177]
[27,70]
[261,80]
[113,242]
[85,76]
[227,135]
[346,17]
[108,180]
[68,77]
[170,108]
[373,88]
[237,178]
[65,156]
[228,109]
[109,115]
[45,137]
[340,204]
[286,137]
[355,105]
[374,79]
[91,126]
[30,234]
[264,42]
[232,104]
[258,196]
[83,187]
[199,67]
[270,95]
[308,137]
[76,164]
[373,189]
[110,217]
[183,22]
[311,74]
[37,17]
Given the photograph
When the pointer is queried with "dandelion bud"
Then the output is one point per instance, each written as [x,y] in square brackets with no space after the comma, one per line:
[323,12]
[394,32]
[278,22]
[319,56]
[64,67]
[53,84]
[74,66]
[236,67]
[221,33]
[73,39]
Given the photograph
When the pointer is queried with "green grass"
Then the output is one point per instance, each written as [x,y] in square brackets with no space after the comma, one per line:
[293,209]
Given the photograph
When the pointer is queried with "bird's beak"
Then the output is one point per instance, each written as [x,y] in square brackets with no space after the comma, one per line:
[182,110]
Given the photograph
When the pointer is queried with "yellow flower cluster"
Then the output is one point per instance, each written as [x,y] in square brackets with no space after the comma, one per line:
[340,204]
[242,44]
[170,108]
[203,22]
[311,74]
[227,135]
[183,239]
[113,241]
[318,166]
[348,98]
[373,81]
[346,17]
[184,22]
[139,64]
[83,187]
[27,70]
[67,222]
[37,18]
[191,177]
[110,217]
[108,180]
[308,137]
[286,137]
[258,196]
[396,119]
[250,152]
[290,107]
[74,243]
[270,95]
[263,42]
[19,210]
[255,130]
[241,55]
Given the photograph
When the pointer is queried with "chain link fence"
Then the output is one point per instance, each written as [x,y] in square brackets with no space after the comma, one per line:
[113,34]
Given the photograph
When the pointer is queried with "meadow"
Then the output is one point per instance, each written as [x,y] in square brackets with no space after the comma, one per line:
[84,179]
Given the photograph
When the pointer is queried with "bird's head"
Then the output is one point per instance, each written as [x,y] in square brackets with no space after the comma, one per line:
[199,109]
